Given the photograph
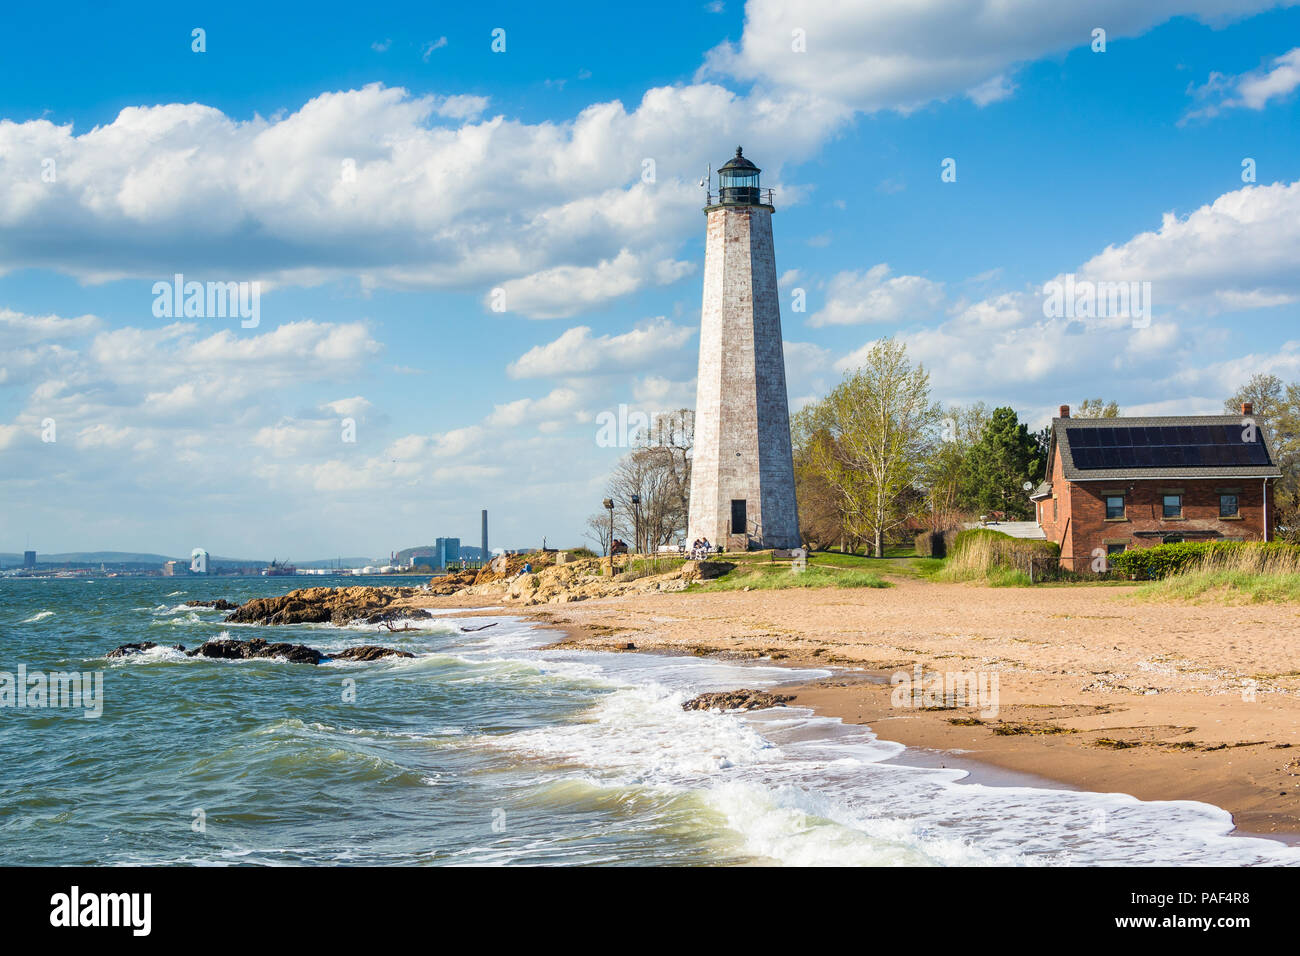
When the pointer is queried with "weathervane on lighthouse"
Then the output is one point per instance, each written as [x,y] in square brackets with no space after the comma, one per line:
[742,477]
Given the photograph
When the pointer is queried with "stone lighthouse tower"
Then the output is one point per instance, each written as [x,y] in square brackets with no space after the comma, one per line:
[742,479]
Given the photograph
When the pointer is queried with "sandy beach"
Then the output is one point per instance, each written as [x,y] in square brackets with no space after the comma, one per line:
[1096,689]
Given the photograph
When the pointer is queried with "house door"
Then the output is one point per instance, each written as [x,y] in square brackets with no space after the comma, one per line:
[739,524]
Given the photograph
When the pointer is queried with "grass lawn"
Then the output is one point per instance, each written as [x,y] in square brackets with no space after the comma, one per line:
[1226,586]
[778,575]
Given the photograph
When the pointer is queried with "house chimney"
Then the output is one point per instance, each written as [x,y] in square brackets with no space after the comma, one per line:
[1247,408]
[1065,411]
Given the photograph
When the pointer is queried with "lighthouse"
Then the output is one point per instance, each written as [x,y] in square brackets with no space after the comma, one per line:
[742,477]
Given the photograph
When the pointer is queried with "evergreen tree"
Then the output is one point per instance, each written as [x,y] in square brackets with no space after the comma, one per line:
[1005,457]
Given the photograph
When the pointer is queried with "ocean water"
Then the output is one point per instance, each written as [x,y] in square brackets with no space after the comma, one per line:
[484,749]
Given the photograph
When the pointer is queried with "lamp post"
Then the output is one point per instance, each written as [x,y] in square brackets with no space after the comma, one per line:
[636,518]
[609,506]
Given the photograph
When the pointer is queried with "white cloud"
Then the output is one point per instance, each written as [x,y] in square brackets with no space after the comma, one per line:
[525,410]
[991,90]
[20,329]
[1251,90]
[391,189]
[854,298]
[432,45]
[577,351]
[1240,251]
[566,290]
[900,54]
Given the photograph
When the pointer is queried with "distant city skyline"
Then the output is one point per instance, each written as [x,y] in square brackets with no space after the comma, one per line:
[432,258]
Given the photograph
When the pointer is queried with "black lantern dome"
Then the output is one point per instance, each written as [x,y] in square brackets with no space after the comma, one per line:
[738,182]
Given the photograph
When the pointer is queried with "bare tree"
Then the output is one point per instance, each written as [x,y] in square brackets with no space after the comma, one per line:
[598,531]
[658,474]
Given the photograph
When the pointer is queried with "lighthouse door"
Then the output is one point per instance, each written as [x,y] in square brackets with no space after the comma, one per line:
[739,525]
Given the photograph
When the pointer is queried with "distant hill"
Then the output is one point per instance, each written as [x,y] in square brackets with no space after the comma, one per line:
[85,558]
[137,559]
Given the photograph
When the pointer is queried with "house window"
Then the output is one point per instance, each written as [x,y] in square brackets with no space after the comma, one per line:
[1115,548]
[1228,506]
[1053,509]
[1114,506]
[1173,506]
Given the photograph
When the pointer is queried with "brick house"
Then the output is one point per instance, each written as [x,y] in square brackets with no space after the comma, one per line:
[1118,483]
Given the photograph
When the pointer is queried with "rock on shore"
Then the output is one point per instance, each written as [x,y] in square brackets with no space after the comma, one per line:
[554,581]
[220,604]
[737,700]
[326,606]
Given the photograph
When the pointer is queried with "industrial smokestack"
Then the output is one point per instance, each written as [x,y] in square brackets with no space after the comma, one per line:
[485,550]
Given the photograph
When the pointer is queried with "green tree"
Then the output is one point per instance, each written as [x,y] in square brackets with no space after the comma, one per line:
[1005,457]
[1096,408]
[947,473]
[874,434]
[1277,408]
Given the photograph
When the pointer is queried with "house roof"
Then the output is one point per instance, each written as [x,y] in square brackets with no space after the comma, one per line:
[1175,446]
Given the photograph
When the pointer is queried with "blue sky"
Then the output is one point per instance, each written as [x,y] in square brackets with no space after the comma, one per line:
[522,170]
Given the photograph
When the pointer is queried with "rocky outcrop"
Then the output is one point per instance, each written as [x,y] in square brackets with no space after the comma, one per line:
[737,700]
[226,649]
[368,652]
[578,580]
[232,650]
[127,650]
[325,606]
[220,604]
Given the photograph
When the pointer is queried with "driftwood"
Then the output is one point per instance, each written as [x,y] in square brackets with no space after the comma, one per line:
[471,630]
[398,630]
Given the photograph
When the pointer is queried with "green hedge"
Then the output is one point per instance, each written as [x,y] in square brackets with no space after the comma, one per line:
[1148,564]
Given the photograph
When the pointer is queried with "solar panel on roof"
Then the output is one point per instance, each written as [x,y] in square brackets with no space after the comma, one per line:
[1164,446]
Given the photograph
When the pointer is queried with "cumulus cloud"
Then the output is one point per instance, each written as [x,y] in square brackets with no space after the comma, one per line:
[577,351]
[1240,251]
[854,298]
[392,189]
[901,55]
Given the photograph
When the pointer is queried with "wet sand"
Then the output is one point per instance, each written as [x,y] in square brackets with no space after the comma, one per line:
[1095,689]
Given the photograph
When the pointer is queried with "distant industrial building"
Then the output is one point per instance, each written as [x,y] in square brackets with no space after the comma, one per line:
[29,559]
[446,551]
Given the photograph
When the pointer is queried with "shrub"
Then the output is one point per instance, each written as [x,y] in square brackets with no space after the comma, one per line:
[985,553]
[1241,557]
